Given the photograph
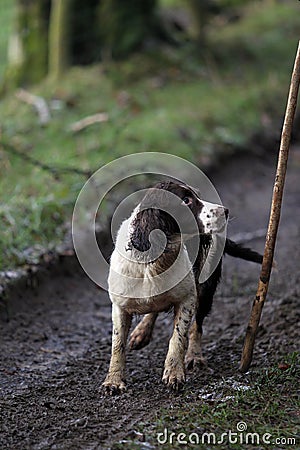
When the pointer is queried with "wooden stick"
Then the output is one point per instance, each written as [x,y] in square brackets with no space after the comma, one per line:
[39,103]
[274,217]
[87,121]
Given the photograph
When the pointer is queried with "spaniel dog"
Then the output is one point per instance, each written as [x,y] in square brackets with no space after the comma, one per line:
[152,270]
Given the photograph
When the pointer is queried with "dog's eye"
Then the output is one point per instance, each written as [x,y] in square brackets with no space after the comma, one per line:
[187,200]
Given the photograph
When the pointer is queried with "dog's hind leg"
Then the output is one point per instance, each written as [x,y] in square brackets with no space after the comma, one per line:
[141,335]
[205,294]
[194,354]
[115,379]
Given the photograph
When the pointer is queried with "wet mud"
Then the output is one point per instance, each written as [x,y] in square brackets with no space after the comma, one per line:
[55,337]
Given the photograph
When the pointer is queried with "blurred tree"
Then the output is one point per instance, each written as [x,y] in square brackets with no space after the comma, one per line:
[85,41]
[203,11]
[59,37]
[50,35]
[124,25]
[27,52]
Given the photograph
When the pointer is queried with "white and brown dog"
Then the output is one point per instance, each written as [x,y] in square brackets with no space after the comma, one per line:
[151,271]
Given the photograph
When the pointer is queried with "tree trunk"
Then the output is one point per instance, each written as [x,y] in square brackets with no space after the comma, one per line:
[85,45]
[59,37]
[27,52]
[124,25]
[51,35]
[201,13]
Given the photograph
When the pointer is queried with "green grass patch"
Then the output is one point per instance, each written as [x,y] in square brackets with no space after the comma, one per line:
[173,100]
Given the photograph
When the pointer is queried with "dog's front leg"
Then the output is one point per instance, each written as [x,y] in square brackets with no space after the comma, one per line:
[174,373]
[115,379]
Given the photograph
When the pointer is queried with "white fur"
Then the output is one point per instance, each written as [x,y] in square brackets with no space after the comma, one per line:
[138,286]
[213,217]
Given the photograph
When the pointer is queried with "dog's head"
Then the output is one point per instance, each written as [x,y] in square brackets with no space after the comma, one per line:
[169,206]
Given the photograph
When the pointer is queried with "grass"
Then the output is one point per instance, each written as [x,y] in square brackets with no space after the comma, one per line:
[264,404]
[172,100]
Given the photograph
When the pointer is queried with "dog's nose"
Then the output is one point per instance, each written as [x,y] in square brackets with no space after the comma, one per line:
[221,212]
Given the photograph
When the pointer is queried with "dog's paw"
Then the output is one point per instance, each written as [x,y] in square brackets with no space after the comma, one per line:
[193,359]
[113,385]
[174,377]
[139,338]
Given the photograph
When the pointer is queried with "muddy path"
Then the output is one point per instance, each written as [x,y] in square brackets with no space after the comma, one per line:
[55,347]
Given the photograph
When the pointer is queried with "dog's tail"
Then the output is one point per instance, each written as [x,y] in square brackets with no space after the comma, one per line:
[238,251]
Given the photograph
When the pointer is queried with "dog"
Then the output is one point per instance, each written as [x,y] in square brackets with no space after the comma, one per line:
[138,283]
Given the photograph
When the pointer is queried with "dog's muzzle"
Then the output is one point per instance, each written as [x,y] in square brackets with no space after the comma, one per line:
[213,217]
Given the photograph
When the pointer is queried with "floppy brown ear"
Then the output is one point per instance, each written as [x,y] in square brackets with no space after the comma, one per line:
[155,198]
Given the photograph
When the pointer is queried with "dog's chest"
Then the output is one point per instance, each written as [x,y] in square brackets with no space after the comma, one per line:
[142,288]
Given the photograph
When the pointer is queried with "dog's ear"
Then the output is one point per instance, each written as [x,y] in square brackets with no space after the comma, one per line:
[156,198]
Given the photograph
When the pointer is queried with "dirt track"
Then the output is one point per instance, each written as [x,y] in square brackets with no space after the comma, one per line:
[55,348]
